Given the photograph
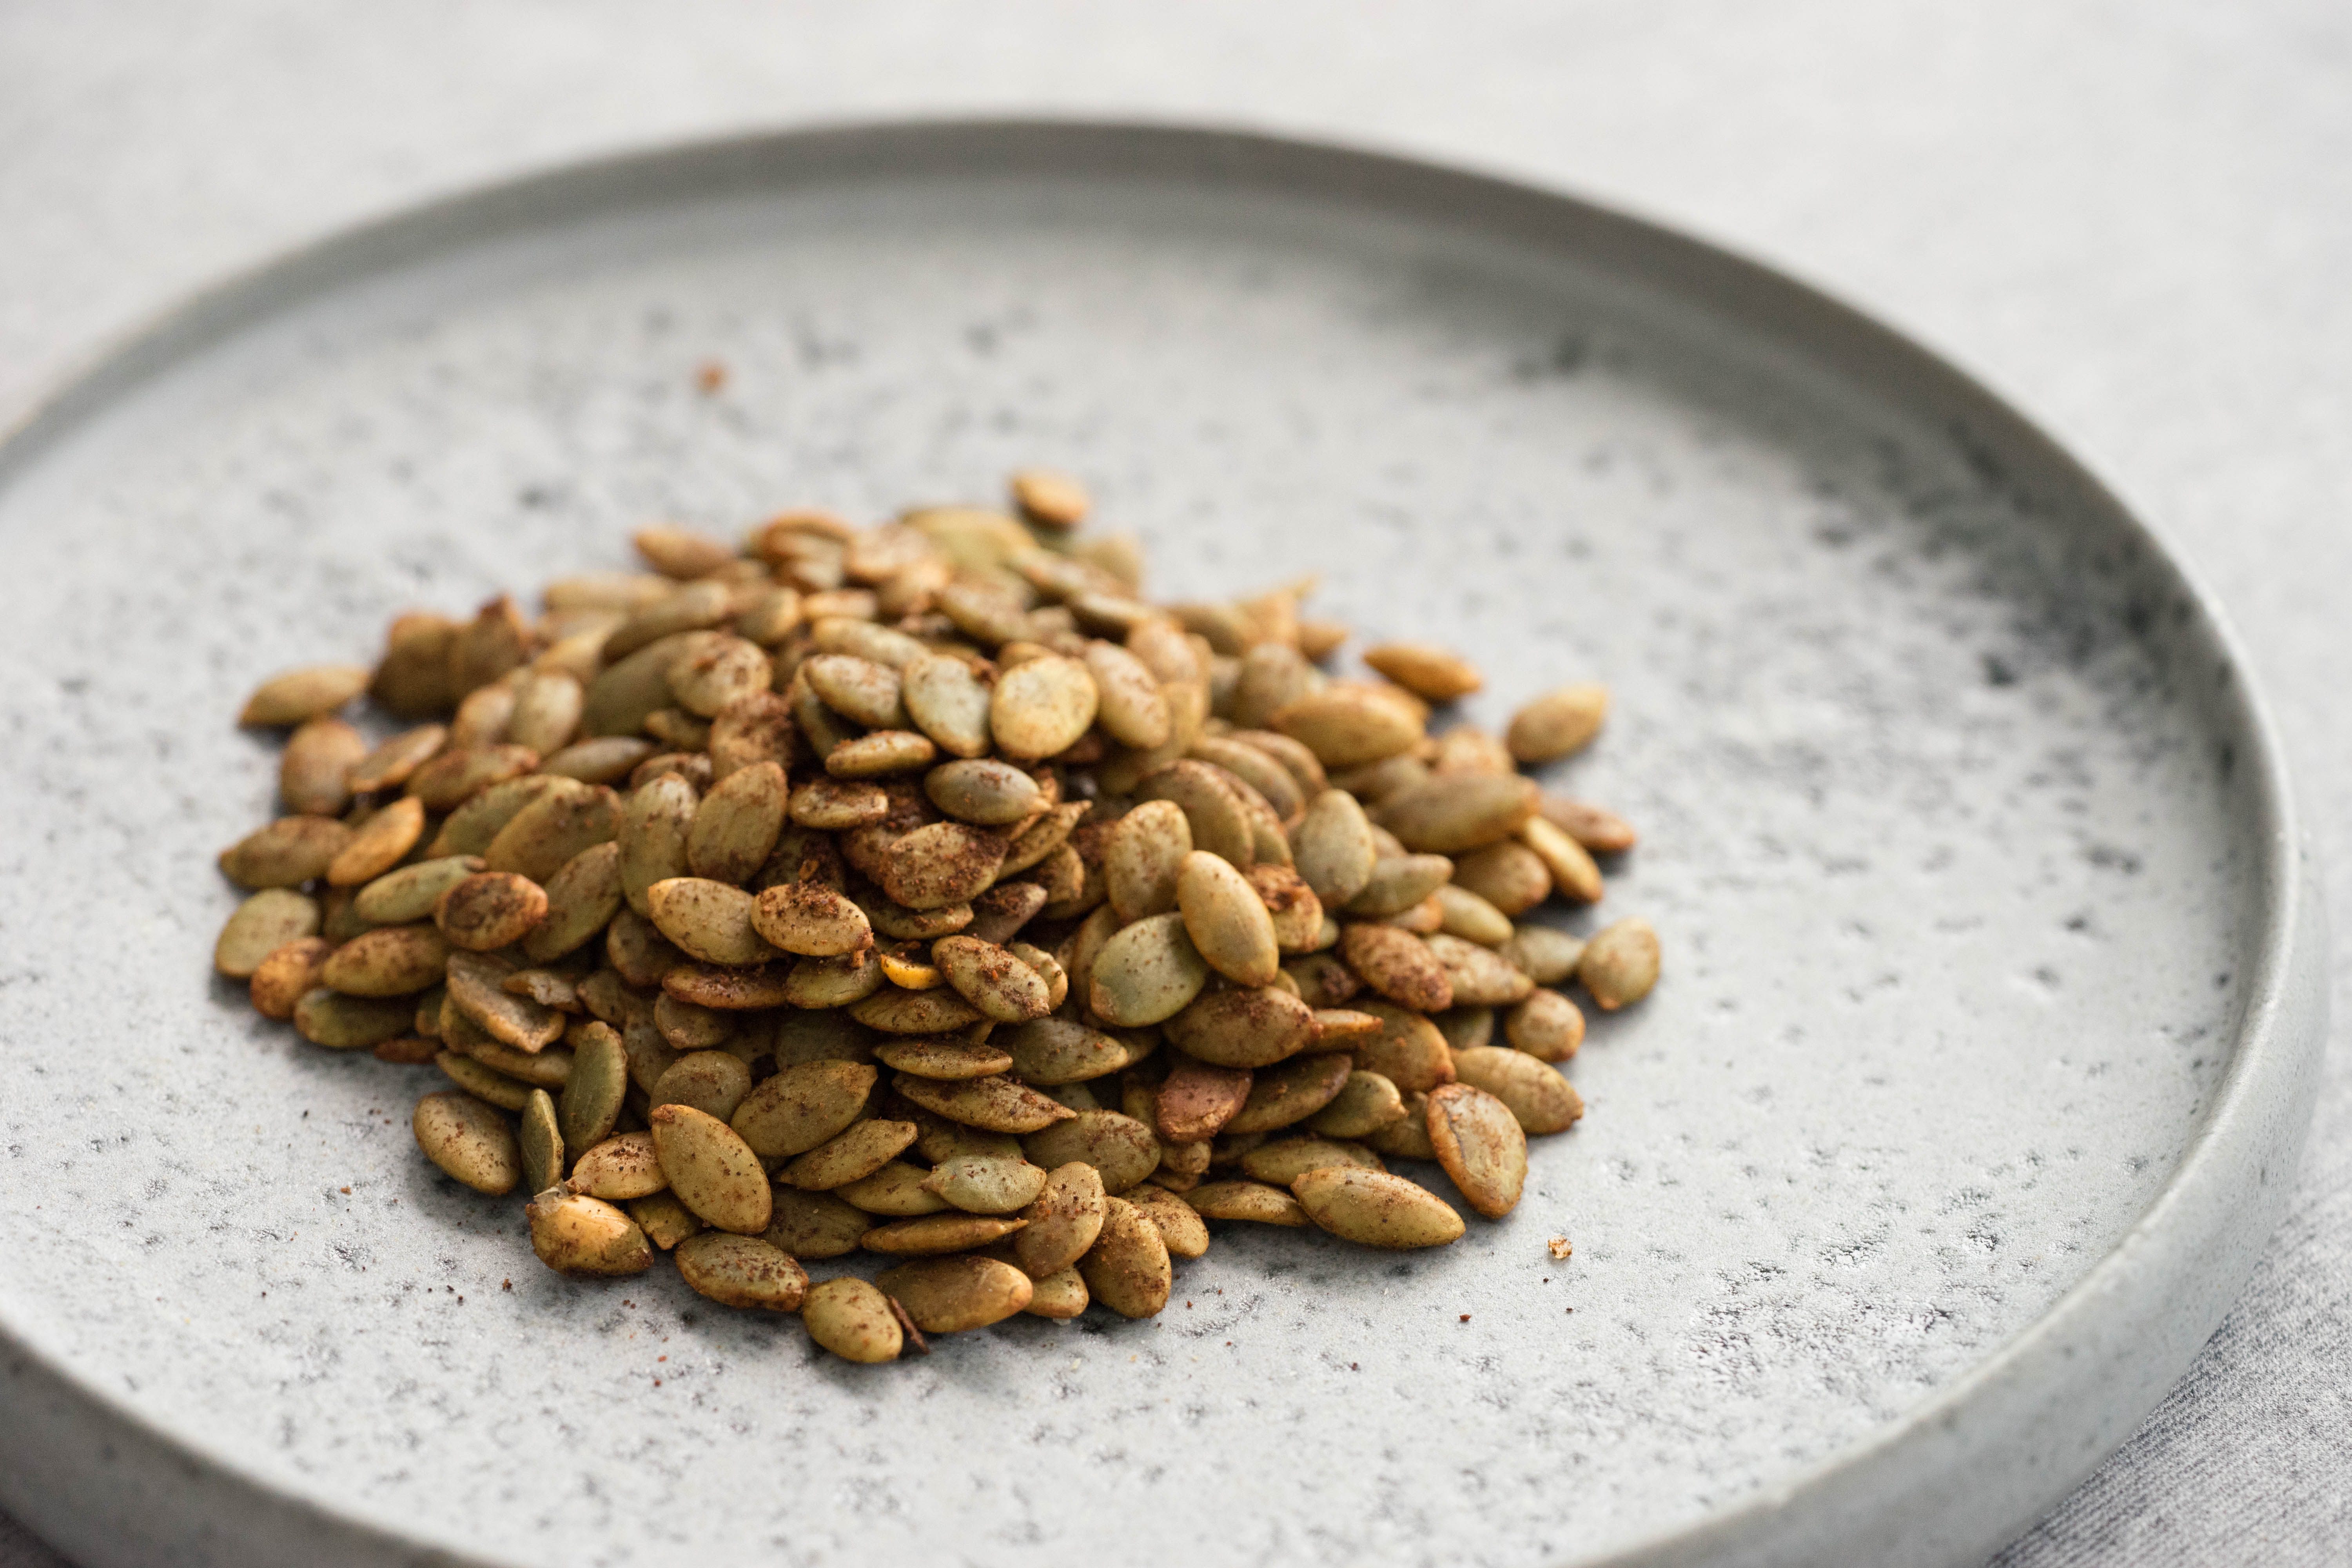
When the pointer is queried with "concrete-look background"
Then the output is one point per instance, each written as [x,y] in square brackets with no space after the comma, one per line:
[2133,217]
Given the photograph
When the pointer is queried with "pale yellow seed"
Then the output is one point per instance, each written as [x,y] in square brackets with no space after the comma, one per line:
[1481,1145]
[1558,722]
[1620,965]
[853,1320]
[1376,1209]
[470,1140]
[586,1237]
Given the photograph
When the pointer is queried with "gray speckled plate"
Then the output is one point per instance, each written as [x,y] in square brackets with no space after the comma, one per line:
[1993,977]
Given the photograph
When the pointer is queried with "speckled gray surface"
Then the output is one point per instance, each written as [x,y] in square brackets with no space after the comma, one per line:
[2121,211]
[1943,823]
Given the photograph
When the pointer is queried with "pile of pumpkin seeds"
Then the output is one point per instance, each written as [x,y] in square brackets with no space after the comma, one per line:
[923,890]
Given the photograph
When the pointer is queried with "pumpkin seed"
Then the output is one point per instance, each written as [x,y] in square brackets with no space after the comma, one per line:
[581,899]
[1620,965]
[1147,850]
[712,1082]
[664,1220]
[814,983]
[1147,972]
[655,826]
[814,1225]
[341,1023]
[476,987]
[980,1184]
[994,1104]
[1063,1222]
[1410,1052]
[397,961]
[754,729]
[810,919]
[1346,726]
[1481,1145]
[988,793]
[718,672]
[410,893]
[853,1320]
[713,1172]
[585,1237]
[470,1140]
[390,763]
[304,694]
[261,925]
[490,910]
[710,921]
[1253,1201]
[1229,924]
[547,706]
[590,1104]
[292,970]
[1243,1028]
[1544,955]
[802,1106]
[549,1069]
[1397,964]
[1434,673]
[1282,1096]
[933,1234]
[314,771]
[1570,864]
[1332,848]
[1131,708]
[947,1295]
[1472,918]
[1398,883]
[1558,722]
[1546,1026]
[1180,1229]
[1042,707]
[1479,977]
[1406,1138]
[1126,1270]
[1285,1160]
[857,1153]
[1220,823]
[896,1190]
[939,865]
[895,1012]
[1454,814]
[625,1165]
[1599,829]
[1061,1295]
[1376,1209]
[287,852]
[1541,1099]
[1365,1103]
[1053,1051]
[1118,1146]
[944,1057]
[483,1082]
[606,760]
[1055,500]
[1196,1100]
[741,1271]
[948,702]
[993,981]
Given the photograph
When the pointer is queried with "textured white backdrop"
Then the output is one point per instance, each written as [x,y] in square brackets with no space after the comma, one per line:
[2136,219]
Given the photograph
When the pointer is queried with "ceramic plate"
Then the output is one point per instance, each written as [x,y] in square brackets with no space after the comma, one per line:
[1992,992]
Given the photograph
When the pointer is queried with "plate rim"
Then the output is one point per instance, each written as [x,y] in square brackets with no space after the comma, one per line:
[1952,1478]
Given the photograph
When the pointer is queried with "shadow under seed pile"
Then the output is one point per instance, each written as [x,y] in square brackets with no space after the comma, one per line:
[1149,920]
